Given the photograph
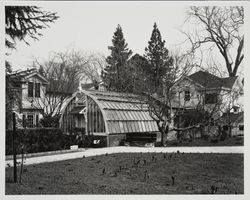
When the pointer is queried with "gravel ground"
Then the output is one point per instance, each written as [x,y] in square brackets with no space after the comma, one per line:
[112,150]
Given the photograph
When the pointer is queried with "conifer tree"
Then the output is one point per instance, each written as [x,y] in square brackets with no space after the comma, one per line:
[138,71]
[114,75]
[158,58]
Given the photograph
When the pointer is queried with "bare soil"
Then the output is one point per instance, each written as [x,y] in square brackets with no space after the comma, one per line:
[134,173]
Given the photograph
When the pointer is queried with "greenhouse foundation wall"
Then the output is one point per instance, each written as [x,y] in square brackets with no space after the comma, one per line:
[116,139]
[113,140]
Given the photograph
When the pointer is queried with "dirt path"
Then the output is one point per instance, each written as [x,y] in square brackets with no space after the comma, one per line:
[109,150]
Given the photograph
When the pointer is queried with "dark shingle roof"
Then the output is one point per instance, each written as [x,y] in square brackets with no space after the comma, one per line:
[211,81]
[229,82]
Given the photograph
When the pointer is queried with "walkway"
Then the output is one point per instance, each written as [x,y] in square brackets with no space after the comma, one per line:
[109,150]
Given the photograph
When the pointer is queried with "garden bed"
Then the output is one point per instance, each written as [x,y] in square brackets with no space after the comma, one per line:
[134,173]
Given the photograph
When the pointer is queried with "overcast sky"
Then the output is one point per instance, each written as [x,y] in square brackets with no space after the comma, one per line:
[89,27]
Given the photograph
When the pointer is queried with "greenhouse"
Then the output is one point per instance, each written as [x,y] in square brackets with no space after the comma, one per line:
[111,117]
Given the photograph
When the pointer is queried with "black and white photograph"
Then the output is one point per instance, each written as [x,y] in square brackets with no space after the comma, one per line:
[124,98]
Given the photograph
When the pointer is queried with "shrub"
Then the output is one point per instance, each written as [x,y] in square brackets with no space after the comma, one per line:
[239,141]
[223,135]
[41,140]
[214,140]
[158,144]
[173,143]
[50,121]
[205,137]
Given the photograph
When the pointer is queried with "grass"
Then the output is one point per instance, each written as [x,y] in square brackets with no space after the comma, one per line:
[233,141]
[118,174]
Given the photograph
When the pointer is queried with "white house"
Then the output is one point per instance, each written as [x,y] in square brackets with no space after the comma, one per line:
[30,87]
[213,93]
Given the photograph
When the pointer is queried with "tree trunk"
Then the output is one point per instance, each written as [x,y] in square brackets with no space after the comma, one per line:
[232,74]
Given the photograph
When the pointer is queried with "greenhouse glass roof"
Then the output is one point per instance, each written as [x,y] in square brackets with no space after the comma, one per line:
[123,113]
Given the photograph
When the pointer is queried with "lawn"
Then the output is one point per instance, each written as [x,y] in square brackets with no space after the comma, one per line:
[159,173]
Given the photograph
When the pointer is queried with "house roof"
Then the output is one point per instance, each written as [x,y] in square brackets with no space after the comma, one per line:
[25,74]
[125,112]
[209,80]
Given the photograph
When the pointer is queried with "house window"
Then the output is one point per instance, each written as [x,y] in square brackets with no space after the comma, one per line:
[187,95]
[37,119]
[37,90]
[30,120]
[241,127]
[212,121]
[211,98]
[24,121]
[30,89]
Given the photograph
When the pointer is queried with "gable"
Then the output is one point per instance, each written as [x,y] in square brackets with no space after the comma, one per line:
[186,83]
[36,76]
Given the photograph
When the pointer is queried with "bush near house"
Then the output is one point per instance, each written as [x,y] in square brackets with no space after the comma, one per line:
[41,140]
[50,121]
[209,141]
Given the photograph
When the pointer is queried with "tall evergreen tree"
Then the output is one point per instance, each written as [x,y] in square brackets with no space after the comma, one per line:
[138,71]
[158,58]
[115,76]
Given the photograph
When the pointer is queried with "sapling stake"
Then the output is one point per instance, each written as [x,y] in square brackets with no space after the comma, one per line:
[21,171]
[153,157]
[146,176]
[173,180]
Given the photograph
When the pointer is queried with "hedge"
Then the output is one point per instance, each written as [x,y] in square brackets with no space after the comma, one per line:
[44,139]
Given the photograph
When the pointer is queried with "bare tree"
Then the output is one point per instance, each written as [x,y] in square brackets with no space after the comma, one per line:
[162,104]
[93,68]
[176,114]
[220,27]
[65,71]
